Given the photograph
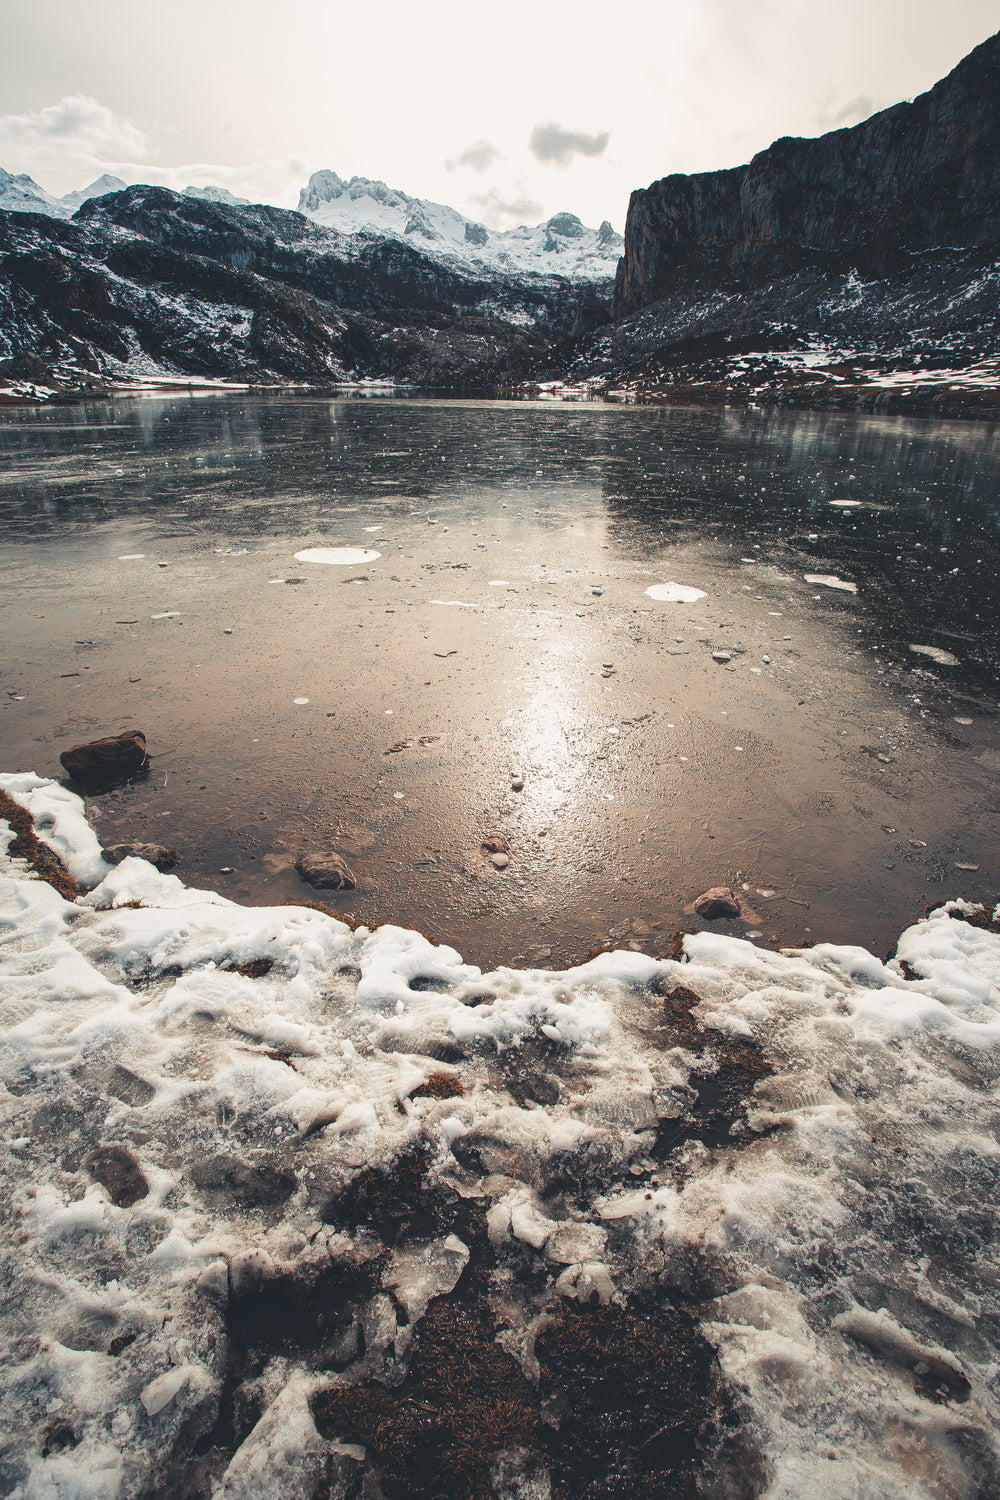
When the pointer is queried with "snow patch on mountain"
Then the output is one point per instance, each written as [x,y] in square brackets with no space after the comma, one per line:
[211,194]
[97,189]
[20,194]
[561,246]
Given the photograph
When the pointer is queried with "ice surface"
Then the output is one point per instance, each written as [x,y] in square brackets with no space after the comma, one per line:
[337,555]
[839,1247]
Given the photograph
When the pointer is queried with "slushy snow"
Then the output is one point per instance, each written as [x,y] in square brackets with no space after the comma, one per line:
[840,1249]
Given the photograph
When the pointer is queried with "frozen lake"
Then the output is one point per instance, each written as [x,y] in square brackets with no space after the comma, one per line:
[296,1208]
[719,647]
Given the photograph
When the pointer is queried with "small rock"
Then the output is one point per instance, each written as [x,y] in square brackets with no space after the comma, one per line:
[118,755]
[722,656]
[500,860]
[718,902]
[163,858]
[325,870]
[597,592]
[517,784]
[227,630]
[766,660]
[495,843]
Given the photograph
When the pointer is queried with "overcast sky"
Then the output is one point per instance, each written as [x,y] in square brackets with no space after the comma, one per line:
[508,112]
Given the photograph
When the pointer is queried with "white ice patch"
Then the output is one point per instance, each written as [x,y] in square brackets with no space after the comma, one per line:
[348,555]
[938,654]
[676,593]
[831,581]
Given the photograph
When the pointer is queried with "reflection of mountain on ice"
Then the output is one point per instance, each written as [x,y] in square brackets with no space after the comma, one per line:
[562,245]
[229,1128]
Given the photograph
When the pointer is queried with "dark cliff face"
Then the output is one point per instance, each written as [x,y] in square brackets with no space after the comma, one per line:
[913,178]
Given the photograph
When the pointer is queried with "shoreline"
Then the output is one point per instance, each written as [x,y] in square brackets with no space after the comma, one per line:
[891,394]
[267,1176]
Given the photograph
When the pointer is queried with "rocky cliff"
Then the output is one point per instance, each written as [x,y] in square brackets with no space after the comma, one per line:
[915,178]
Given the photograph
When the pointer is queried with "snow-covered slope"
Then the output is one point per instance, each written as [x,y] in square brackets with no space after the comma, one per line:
[97,189]
[210,194]
[243,1196]
[561,246]
[22,195]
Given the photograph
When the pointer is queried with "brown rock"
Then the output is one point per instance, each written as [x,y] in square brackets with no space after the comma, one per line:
[119,755]
[325,870]
[163,858]
[718,902]
[495,843]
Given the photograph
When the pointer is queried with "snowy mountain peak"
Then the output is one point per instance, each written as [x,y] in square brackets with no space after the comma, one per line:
[20,194]
[97,189]
[366,205]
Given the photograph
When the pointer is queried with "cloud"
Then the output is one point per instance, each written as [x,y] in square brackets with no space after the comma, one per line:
[479,156]
[862,107]
[77,129]
[551,143]
[499,210]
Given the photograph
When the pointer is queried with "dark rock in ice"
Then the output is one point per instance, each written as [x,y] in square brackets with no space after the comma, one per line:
[718,902]
[104,760]
[118,1171]
[157,854]
[325,870]
[495,843]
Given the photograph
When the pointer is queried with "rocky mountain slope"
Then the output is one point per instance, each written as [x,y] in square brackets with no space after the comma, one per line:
[858,268]
[149,281]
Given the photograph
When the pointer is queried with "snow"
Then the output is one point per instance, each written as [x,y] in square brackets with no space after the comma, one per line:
[561,246]
[337,555]
[676,593]
[831,581]
[937,653]
[843,1242]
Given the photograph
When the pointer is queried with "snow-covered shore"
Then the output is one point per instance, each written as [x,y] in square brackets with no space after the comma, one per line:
[189,1085]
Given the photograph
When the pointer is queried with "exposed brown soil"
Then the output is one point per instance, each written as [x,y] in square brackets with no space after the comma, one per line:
[439,1086]
[28,846]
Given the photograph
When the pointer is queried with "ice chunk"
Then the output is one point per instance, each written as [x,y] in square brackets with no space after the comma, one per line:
[343,555]
[161,1391]
[676,593]
[938,654]
[831,581]
[420,1272]
[570,1243]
